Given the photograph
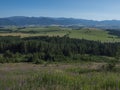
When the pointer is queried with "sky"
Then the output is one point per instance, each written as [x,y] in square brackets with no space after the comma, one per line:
[82,9]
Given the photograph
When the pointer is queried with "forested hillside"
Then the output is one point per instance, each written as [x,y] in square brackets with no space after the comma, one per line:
[52,48]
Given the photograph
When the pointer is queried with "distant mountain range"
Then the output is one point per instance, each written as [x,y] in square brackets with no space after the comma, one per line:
[47,21]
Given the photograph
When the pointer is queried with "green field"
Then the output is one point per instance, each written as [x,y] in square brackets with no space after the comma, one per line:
[85,33]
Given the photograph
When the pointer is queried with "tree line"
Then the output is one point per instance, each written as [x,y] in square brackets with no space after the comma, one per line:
[52,48]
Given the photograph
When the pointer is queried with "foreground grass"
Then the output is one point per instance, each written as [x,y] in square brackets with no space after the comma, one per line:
[76,76]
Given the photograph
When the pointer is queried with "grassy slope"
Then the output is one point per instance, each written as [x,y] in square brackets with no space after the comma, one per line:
[94,34]
[75,76]
[89,34]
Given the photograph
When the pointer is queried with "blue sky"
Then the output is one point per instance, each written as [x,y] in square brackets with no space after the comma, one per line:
[84,9]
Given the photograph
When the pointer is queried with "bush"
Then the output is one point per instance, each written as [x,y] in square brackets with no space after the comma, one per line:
[110,66]
[8,54]
[38,61]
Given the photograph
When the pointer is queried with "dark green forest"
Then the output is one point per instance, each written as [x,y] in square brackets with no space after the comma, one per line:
[44,48]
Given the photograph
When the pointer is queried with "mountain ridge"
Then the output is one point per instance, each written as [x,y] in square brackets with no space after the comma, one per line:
[46,21]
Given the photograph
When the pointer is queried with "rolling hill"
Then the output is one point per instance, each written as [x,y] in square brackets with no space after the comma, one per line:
[83,33]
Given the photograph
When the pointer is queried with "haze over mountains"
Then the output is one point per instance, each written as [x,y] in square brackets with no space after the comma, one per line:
[47,21]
